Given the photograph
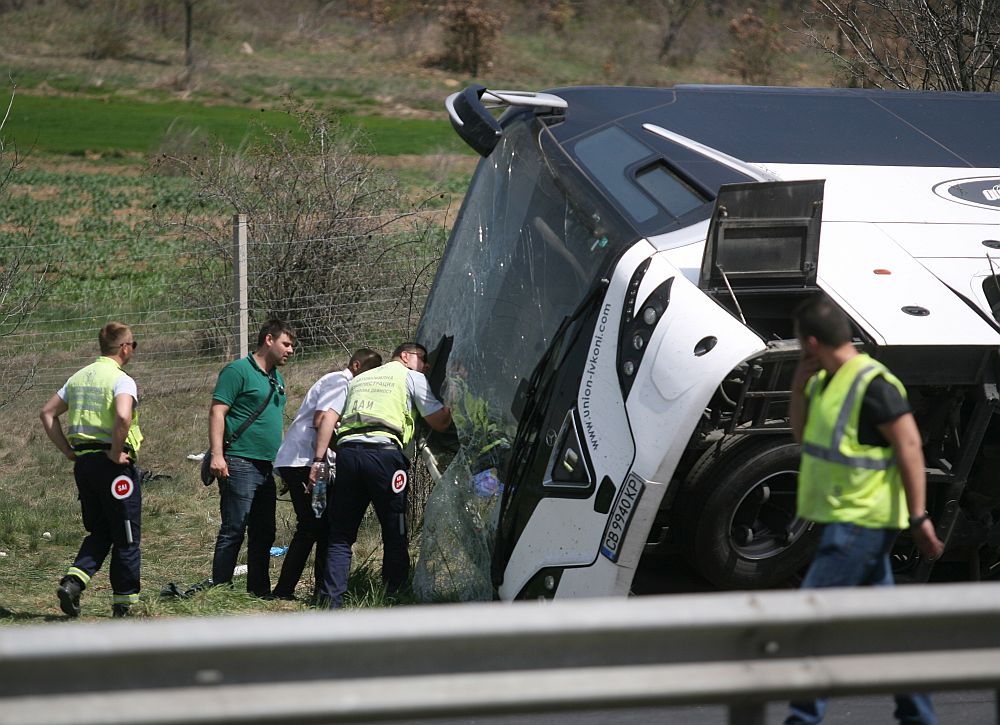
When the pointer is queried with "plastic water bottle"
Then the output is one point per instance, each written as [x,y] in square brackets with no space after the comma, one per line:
[319,490]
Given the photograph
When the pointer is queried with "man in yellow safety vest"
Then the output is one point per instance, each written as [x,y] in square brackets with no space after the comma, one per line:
[102,439]
[862,474]
[376,414]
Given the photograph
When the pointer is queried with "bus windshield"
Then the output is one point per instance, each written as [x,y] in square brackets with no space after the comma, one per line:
[522,256]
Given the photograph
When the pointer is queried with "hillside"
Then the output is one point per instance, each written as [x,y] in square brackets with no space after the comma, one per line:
[104,88]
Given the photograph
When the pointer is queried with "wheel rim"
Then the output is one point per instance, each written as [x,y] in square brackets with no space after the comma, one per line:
[764,524]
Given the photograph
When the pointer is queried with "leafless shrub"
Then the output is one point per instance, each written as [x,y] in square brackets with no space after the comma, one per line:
[757,47]
[109,30]
[471,29]
[943,45]
[329,248]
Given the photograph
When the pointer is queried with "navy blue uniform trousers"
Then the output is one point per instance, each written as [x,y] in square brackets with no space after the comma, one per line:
[367,474]
[109,521]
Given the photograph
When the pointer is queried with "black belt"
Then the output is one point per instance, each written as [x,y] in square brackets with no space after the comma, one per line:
[93,446]
[369,444]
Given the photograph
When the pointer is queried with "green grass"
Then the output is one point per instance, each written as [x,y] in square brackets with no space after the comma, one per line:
[180,520]
[77,125]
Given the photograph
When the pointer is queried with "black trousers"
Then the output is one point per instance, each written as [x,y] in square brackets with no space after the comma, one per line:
[111,504]
[374,475]
[309,530]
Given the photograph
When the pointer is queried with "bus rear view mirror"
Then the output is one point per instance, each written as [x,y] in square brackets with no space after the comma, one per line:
[472,120]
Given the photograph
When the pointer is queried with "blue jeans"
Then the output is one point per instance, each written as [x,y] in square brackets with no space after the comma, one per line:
[247,504]
[850,555]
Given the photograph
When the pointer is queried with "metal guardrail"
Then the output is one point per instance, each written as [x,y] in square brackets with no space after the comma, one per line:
[739,649]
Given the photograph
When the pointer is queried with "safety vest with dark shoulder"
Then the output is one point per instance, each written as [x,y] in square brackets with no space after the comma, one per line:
[90,397]
[378,405]
[842,479]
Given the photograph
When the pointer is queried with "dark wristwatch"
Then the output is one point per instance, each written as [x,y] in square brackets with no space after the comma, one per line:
[915,521]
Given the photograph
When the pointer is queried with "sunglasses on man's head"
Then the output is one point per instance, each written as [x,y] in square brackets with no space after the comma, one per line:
[134,344]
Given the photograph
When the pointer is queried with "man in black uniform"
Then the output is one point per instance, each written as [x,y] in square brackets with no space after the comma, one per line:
[102,440]
[376,424]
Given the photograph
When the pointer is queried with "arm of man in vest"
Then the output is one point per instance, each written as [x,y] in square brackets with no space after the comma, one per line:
[51,411]
[123,419]
[440,420]
[216,433]
[904,436]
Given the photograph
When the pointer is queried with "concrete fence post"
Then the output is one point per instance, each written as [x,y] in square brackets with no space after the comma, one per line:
[240,294]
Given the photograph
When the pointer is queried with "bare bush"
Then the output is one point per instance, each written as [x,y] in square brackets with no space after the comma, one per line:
[757,47]
[940,45]
[471,29]
[109,30]
[325,233]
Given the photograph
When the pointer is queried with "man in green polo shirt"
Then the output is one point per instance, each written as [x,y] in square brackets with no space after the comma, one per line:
[243,466]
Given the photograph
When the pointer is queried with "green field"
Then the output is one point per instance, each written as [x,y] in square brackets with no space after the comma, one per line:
[76,125]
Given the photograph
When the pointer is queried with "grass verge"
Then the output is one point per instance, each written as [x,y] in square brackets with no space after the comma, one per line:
[41,528]
[81,125]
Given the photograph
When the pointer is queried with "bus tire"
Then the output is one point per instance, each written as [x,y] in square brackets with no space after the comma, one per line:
[738,527]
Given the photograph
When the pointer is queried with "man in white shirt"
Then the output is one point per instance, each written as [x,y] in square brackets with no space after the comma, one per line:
[308,440]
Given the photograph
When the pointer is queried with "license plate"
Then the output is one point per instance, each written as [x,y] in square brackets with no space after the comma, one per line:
[621,516]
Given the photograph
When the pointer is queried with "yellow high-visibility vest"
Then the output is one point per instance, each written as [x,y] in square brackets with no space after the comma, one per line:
[90,397]
[378,404]
[840,478]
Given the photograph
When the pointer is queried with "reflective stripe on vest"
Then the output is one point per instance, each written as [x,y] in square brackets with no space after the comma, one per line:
[91,409]
[833,454]
[378,404]
[840,478]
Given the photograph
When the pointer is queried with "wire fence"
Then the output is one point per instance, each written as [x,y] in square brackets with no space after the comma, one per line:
[183,306]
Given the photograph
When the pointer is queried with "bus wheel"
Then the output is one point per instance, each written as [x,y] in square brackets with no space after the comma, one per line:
[739,528]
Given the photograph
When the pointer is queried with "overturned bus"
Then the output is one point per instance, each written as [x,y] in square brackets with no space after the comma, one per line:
[611,318]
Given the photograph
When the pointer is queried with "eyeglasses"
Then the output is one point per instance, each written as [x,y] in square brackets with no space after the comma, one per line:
[134,344]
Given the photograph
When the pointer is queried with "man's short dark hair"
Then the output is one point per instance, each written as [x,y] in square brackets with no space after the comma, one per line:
[111,337]
[366,359]
[274,327]
[409,347]
[820,317]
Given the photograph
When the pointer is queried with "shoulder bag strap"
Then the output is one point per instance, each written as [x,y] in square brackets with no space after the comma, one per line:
[256,414]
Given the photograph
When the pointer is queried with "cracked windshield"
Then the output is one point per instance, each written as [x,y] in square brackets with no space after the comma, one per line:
[522,258]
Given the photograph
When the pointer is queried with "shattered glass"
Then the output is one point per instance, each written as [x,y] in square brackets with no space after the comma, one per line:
[521,258]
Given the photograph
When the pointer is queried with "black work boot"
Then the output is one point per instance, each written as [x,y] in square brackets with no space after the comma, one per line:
[69,595]
[120,610]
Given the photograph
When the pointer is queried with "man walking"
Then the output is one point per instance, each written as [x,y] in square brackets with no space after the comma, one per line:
[102,440]
[307,441]
[376,425]
[244,432]
[862,472]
